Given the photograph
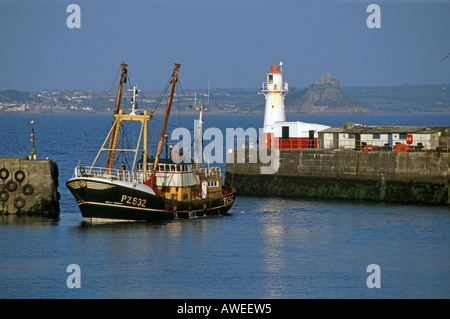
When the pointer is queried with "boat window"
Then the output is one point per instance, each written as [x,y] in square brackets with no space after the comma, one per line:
[172,168]
[213,184]
[161,168]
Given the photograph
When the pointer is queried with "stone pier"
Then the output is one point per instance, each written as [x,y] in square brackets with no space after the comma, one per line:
[29,187]
[408,177]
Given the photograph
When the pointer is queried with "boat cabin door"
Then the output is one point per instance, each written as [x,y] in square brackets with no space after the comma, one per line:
[204,189]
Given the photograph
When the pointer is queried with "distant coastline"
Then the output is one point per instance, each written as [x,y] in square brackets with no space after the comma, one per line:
[404,99]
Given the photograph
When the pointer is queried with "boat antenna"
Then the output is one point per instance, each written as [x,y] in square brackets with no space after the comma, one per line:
[166,119]
[134,105]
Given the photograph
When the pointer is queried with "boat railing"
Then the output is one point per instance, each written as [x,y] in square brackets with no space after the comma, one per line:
[109,173]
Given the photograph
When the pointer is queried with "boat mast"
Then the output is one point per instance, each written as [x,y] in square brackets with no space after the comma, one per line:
[114,138]
[166,119]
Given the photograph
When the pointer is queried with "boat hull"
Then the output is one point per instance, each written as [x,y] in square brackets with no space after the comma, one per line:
[109,200]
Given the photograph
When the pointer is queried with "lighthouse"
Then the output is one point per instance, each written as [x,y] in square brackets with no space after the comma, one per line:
[274,90]
[277,132]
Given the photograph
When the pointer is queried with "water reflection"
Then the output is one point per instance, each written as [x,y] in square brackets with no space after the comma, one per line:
[273,261]
[278,229]
[14,219]
[172,257]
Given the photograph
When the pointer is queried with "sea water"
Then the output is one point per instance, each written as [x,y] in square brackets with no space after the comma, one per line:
[267,248]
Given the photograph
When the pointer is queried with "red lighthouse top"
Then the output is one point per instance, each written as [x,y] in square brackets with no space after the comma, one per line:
[274,68]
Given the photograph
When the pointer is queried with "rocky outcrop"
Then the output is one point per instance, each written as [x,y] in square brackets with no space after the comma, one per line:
[324,97]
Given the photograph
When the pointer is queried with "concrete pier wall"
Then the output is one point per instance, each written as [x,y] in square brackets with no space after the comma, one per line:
[29,187]
[412,177]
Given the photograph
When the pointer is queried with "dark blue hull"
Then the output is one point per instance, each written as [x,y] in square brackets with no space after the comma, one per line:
[106,200]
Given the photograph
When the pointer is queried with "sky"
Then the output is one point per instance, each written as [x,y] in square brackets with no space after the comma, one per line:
[228,43]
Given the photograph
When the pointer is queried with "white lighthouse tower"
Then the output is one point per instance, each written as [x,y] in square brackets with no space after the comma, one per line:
[274,90]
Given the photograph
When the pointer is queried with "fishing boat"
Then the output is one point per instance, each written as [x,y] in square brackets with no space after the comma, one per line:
[154,188]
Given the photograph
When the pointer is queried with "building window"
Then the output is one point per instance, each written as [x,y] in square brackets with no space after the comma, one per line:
[376,136]
[402,136]
[270,80]
[285,132]
[351,135]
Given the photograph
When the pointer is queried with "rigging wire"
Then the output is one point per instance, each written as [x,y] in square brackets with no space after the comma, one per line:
[98,117]
[180,93]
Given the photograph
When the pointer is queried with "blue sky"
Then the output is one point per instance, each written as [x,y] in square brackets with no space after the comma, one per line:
[231,43]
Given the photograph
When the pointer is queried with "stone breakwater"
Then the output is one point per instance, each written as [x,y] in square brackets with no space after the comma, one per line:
[29,187]
[409,177]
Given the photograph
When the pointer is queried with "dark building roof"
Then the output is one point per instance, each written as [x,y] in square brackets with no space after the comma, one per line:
[366,129]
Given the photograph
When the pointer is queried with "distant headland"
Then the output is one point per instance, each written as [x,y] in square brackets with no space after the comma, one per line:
[324,96]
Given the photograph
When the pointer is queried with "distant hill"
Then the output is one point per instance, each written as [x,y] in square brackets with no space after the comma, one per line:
[15,96]
[403,99]
[324,97]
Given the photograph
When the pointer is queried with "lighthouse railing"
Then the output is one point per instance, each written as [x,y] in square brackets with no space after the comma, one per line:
[283,88]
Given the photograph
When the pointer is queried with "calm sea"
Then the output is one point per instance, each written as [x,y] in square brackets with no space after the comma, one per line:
[268,247]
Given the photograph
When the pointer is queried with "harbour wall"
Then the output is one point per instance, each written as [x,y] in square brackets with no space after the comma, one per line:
[29,187]
[407,177]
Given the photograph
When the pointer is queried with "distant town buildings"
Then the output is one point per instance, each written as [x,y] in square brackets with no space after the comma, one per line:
[325,96]
[94,101]
[45,101]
